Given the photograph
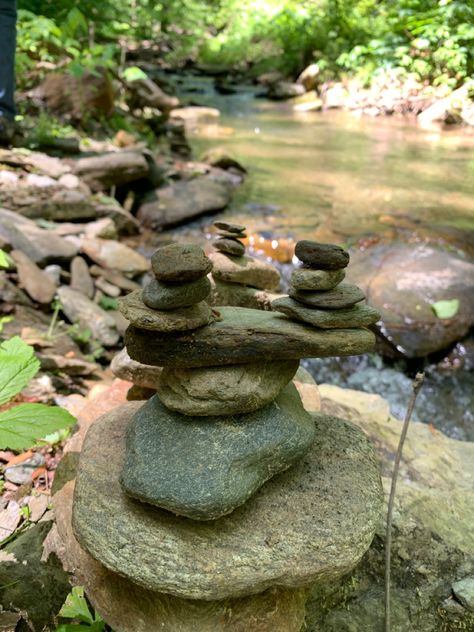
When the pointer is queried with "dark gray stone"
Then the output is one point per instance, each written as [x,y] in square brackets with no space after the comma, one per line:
[312,522]
[159,295]
[342,296]
[230,246]
[316,280]
[178,263]
[357,316]
[227,234]
[321,256]
[230,228]
[243,335]
[205,467]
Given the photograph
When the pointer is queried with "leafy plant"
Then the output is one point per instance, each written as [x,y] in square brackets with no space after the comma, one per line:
[446,309]
[5,260]
[23,424]
[76,607]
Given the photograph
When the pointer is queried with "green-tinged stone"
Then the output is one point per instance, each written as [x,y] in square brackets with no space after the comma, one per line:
[185,318]
[230,246]
[357,316]
[307,279]
[312,522]
[205,467]
[158,295]
[244,335]
[178,263]
[224,390]
[342,296]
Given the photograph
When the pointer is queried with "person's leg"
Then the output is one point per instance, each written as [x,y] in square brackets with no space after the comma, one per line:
[7,58]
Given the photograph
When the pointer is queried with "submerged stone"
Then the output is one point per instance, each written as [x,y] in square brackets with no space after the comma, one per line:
[342,296]
[165,296]
[227,390]
[178,263]
[205,467]
[308,279]
[356,316]
[321,256]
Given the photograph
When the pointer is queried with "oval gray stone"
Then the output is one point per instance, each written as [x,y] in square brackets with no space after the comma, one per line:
[356,316]
[314,521]
[307,279]
[230,246]
[158,295]
[342,296]
[321,256]
[178,263]
[230,228]
[226,390]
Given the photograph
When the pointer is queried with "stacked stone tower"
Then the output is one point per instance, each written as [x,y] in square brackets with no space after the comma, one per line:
[186,496]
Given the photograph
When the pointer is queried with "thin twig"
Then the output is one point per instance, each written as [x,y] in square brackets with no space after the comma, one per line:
[417,384]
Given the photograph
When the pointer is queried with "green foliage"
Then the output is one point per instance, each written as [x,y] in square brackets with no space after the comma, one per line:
[5,260]
[22,425]
[133,73]
[446,309]
[76,607]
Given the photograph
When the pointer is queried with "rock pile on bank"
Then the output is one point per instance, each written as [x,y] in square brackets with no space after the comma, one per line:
[318,296]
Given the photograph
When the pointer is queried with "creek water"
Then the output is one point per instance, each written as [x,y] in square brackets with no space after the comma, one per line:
[334,176]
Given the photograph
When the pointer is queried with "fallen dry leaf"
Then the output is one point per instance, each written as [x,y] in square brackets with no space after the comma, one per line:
[19,458]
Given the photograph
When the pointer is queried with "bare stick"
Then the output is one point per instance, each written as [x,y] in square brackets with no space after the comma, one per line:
[417,384]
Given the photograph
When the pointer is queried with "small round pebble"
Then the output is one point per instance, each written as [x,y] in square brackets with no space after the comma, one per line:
[230,247]
[179,263]
[230,228]
[321,256]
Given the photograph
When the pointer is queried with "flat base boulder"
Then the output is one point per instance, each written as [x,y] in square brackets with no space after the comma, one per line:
[227,390]
[312,522]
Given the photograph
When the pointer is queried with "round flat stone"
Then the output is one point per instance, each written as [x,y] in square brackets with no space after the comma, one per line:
[158,295]
[308,279]
[244,270]
[321,256]
[227,235]
[342,296]
[356,316]
[183,319]
[230,246]
[229,228]
[314,521]
[205,467]
[178,263]
[226,390]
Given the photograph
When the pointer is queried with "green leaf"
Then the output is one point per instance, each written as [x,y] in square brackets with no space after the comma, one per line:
[17,366]
[446,309]
[133,73]
[5,260]
[108,302]
[24,424]
[4,320]
[75,607]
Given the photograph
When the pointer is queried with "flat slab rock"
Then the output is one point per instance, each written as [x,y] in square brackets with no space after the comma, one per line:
[356,316]
[343,296]
[205,467]
[243,335]
[314,521]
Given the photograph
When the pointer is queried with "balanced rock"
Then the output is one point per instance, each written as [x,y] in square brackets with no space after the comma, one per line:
[342,296]
[230,228]
[244,270]
[142,316]
[139,374]
[178,263]
[228,235]
[356,316]
[312,522]
[230,246]
[227,390]
[308,279]
[321,256]
[206,467]
[242,335]
[158,295]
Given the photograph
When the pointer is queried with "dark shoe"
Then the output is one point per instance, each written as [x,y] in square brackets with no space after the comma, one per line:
[7,131]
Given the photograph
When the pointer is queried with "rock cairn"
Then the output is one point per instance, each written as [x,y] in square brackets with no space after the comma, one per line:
[229,239]
[318,296]
[180,495]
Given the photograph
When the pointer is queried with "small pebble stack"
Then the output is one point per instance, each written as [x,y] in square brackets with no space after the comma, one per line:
[229,239]
[318,296]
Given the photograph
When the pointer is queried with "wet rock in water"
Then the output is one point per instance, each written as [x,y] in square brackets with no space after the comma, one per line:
[309,77]
[240,336]
[244,270]
[181,201]
[32,279]
[290,533]
[115,255]
[139,315]
[235,229]
[285,90]
[78,308]
[125,368]
[224,390]
[356,316]
[40,245]
[195,114]
[21,473]
[178,263]
[205,468]
[102,172]
[81,280]
[219,157]
[316,280]
[321,256]
[343,296]
[230,246]
[159,295]
[405,282]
